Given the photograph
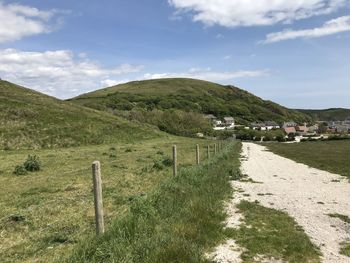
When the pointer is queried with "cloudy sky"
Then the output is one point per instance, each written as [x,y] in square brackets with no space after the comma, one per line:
[296,53]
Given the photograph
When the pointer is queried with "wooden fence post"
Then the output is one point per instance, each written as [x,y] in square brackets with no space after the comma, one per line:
[174,161]
[96,177]
[208,151]
[215,146]
[197,154]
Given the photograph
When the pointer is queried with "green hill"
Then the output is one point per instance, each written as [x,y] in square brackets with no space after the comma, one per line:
[337,114]
[33,120]
[188,95]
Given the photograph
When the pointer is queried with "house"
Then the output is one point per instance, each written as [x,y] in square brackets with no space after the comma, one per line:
[210,117]
[302,128]
[270,125]
[229,122]
[342,128]
[290,130]
[289,124]
[217,122]
[258,126]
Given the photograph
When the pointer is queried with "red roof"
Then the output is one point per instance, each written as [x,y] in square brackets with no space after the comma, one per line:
[289,130]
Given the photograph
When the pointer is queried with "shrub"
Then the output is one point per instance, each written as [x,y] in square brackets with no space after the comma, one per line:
[32,164]
[167,161]
[158,165]
[20,170]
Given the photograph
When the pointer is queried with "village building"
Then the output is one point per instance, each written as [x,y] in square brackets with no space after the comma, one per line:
[229,122]
[289,124]
[271,125]
[259,126]
[302,128]
[290,130]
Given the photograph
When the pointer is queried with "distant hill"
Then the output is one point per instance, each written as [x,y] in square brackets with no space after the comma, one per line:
[188,95]
[337,114]
[30,119]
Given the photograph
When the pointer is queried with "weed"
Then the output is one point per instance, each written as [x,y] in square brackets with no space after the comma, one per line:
[20,170]
[167,161]
[16,218]
[32,164]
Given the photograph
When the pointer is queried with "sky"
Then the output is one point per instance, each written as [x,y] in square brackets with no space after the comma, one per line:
[296,53]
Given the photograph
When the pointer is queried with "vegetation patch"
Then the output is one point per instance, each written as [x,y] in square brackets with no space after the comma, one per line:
[344,218]
[273,234]
[60,195]
[176,223]
[32,164]
[345,249]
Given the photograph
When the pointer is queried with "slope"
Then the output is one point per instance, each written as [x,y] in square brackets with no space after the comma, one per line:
[189,95]
[33,120]
[336,114]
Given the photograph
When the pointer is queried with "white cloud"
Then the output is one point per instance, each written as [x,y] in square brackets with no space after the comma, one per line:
[18,21]
[226,57]
[58,73]
[233,13]
[338,25]
[209,75]
[113,82]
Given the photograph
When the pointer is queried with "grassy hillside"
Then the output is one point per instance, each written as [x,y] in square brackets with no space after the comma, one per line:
[188,95]
[337,114]
[33,120]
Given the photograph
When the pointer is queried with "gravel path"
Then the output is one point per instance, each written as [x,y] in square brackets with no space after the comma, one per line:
[306,194]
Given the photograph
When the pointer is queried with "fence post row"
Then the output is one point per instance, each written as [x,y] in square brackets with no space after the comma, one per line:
[96,177]
[174,161]
[197,154]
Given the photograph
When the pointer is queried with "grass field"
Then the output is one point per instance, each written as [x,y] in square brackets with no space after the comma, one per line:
[45,214]
[332,156]
[177,222]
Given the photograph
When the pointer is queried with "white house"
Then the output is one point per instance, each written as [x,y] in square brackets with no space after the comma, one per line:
[229,122]
[270,125]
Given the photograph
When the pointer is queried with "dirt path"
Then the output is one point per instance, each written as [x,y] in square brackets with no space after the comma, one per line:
[306,194]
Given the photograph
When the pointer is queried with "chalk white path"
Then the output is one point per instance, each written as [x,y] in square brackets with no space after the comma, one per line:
[307,194]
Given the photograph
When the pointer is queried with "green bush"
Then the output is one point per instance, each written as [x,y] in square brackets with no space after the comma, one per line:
[167,161]
[20,170]
[32,164]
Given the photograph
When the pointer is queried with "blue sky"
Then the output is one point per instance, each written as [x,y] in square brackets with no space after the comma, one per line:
[295,53]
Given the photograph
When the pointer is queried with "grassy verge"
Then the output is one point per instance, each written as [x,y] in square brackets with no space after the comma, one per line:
[332,156]
[45,214]
[269,233]
[345,249]
[176,223]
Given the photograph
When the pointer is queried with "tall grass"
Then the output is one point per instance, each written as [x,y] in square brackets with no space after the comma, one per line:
[178,222]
